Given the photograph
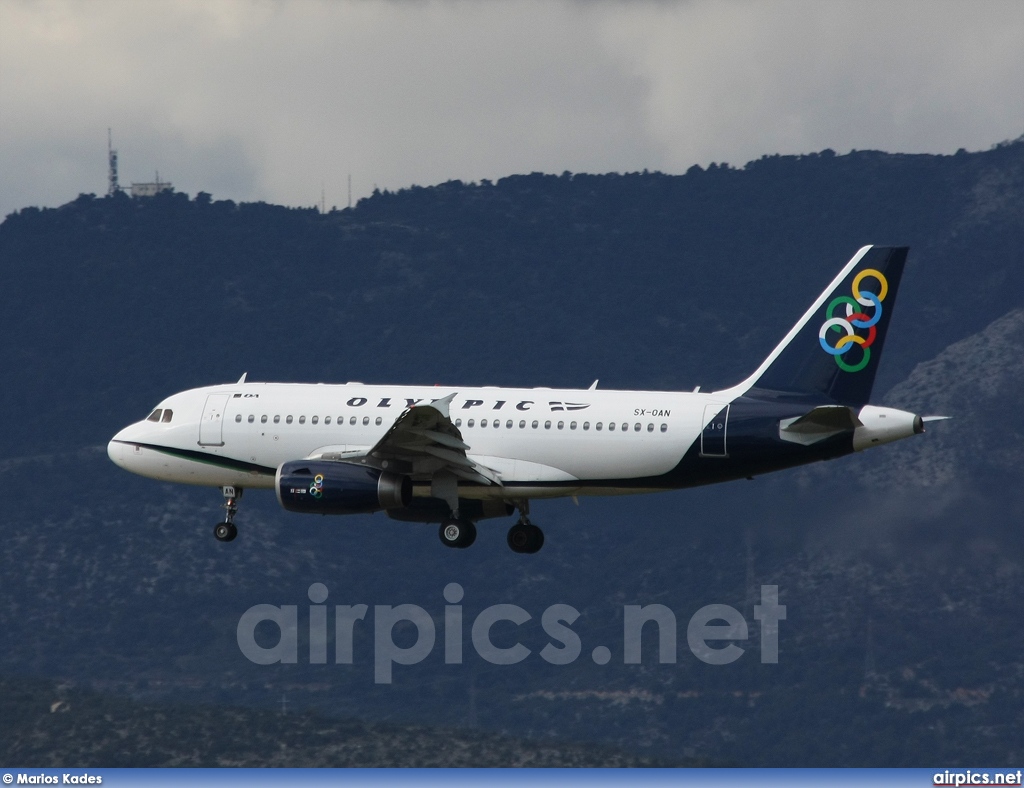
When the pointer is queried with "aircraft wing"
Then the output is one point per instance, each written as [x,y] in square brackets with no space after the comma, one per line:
[423,442]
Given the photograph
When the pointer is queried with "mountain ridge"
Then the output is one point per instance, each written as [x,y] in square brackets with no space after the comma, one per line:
[898,566]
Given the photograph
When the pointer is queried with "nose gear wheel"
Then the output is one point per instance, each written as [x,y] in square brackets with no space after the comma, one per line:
[227,531]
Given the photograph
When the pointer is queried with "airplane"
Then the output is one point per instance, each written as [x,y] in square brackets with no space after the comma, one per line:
[458,455]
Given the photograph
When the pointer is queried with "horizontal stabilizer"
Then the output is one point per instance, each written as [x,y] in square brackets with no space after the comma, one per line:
[820,423]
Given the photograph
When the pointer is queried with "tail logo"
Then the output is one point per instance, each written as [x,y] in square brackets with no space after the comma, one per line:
[856,318]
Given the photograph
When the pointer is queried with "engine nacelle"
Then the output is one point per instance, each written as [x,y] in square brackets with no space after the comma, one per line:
[325,487]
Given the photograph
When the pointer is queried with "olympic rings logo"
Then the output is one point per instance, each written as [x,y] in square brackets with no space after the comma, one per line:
[856,318]
[316,489]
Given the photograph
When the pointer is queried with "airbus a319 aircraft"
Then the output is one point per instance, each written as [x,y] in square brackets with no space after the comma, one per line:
[457,455]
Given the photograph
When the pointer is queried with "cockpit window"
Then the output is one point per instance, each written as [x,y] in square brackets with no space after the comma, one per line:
[155,415]
[168,415]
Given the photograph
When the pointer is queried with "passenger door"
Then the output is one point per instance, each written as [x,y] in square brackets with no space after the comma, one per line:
[211,428]
[712,439]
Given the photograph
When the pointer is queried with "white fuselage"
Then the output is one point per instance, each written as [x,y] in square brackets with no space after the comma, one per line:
[552,436]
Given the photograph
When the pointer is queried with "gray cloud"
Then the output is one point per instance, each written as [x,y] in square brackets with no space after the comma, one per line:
[735,80]
[269,100]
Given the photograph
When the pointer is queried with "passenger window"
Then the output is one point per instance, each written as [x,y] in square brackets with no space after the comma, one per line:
[352,421]
[341,421]
[302,419]
[366,420]
[458,422]
[168,415]
[598,426]
[327,419]
[625,427]
[547,425]
[483,422]
[508,424]
[155,415]
[586,425]
[572,425]
[636,427]
[534,425]
[277,419]
[561,424]
[650,428]
[263,419]
[522,424]
[252,418]
[469,423]
[664,428]
[238,418]
[288,420]
[611,426]
[314,420]
[378,421]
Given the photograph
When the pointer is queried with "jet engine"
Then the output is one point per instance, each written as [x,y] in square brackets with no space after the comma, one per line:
[326,487]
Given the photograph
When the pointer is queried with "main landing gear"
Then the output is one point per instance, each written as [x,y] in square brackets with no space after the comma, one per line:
[226,531]
[457,532]
[524,536]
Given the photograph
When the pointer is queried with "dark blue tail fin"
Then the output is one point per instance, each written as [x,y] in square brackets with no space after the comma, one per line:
[835,349]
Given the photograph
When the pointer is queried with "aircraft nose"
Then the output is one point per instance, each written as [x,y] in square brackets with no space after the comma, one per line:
[115,451]
[120,448]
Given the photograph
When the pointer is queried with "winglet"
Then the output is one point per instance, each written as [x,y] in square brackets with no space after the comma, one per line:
[241,380]
[593,386]
[441,405]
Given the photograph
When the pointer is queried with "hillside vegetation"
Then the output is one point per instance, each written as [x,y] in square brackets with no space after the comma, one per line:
[901,567]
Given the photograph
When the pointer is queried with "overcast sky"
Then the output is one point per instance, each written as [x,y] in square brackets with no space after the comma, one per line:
[278,100]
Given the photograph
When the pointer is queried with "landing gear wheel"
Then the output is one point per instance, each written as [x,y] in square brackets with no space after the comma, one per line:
[457,533]
[525,538]
[225,532]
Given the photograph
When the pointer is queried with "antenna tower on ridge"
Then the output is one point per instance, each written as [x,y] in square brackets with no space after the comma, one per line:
[112,185]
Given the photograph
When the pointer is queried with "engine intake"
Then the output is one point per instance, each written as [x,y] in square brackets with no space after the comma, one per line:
[326,487]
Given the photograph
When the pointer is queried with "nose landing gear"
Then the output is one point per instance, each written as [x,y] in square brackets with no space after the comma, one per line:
[227,531]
